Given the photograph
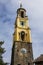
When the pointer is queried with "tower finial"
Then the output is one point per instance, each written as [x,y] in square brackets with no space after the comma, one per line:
[20,4]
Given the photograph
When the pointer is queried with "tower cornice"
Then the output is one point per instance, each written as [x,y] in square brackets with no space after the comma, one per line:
[23,28]
[21,9]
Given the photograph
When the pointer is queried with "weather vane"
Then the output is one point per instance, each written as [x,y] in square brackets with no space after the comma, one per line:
[20,2]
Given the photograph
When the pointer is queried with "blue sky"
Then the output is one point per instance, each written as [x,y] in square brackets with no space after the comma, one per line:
[8,10]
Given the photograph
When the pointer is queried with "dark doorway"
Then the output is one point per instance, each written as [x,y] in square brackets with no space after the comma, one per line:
[28,63]
[18,64]
[22,14]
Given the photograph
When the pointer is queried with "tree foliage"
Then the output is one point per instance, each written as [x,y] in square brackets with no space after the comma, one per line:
[2,51]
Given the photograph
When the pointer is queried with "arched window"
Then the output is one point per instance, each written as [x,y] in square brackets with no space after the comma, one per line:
[22,35]
[22,14]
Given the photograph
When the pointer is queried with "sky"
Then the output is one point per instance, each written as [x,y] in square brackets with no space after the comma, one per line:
[8,14]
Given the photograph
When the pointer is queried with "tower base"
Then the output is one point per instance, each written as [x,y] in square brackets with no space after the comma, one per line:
[22,53]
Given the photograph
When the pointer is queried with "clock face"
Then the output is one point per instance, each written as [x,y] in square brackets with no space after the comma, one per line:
[23,50]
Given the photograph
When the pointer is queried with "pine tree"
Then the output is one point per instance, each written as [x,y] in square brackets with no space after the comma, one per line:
[2,51]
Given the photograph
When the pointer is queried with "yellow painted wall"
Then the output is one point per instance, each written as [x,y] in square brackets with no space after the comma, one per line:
[27,38]
[25,22]
[24,28]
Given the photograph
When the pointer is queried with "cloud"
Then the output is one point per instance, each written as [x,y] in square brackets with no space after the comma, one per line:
[6,32]
[4,1]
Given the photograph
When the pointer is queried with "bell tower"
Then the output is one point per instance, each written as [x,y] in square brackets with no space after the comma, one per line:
[22,53]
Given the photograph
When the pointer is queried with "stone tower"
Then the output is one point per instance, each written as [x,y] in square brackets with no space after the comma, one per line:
[22,53]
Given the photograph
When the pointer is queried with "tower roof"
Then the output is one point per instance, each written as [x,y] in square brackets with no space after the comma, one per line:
[39,59]
[21,8]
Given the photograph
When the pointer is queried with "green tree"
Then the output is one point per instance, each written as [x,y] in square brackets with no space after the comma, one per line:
[2,51]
